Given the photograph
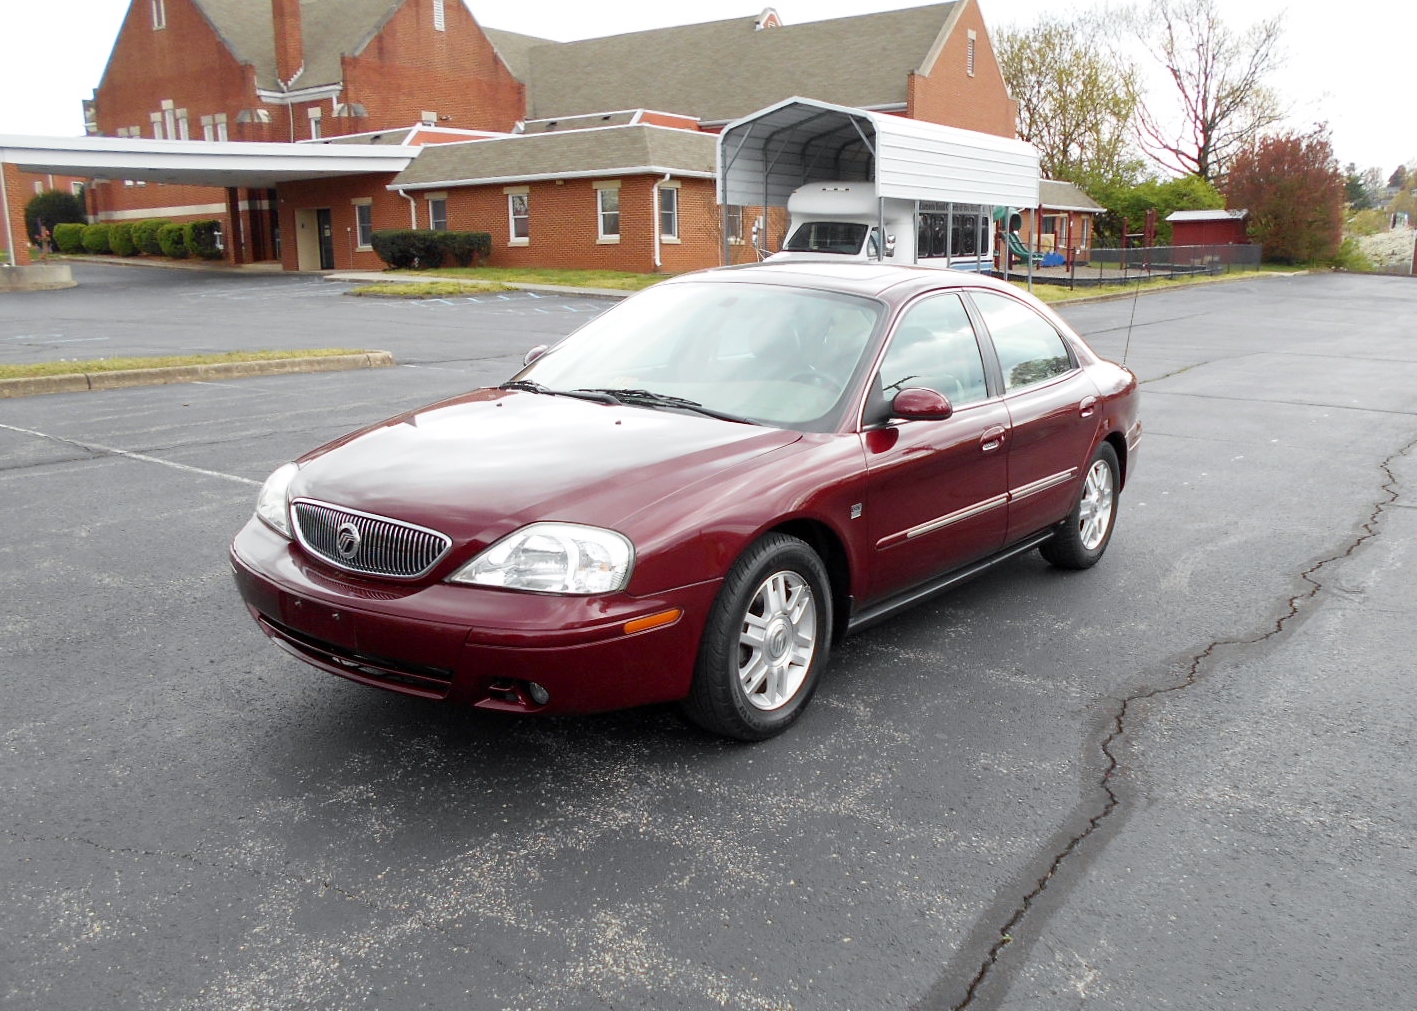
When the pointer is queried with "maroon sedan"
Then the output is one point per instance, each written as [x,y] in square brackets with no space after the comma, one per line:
[690,498]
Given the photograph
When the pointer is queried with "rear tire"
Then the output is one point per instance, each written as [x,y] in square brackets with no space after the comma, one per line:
[765,642]
[1081,539]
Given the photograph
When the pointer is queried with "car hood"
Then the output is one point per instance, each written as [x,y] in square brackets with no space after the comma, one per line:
[482,465]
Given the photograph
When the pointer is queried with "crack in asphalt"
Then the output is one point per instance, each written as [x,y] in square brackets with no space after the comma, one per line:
[1112,766]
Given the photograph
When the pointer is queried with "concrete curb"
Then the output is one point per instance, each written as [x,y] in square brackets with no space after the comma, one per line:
[83,382]
[372,277]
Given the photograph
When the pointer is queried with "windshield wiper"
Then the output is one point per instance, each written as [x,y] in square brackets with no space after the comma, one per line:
[648,398]
[597,396]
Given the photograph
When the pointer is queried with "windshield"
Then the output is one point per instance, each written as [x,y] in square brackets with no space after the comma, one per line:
[827,237]
[771,355]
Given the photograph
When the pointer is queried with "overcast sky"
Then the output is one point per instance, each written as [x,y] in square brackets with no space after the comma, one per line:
[1356,79]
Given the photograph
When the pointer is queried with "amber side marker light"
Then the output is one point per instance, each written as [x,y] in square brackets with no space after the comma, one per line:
[653,621]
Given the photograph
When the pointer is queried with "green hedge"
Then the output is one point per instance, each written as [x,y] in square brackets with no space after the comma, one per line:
[203,238]
[120,239]
[69,237]
[145,235]
[423,249]
[170,241]
[95,239]
[466,248]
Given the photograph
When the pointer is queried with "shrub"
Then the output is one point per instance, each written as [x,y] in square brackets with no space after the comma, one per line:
[416,249]
[170,241]
[203,238]
[53,208]
[95,239]
[145,235]
[466,248]
[120,239]
[69,237]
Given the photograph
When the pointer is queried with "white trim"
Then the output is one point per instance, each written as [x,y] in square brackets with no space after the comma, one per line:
[330,91]
[164,212]
[639,170]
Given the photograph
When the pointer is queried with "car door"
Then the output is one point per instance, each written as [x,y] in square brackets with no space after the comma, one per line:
[1053,410]
[936,489]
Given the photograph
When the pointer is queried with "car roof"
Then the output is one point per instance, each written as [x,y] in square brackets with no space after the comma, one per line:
[878,280]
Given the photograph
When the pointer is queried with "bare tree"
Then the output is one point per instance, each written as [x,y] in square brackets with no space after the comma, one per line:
[1076,101]
[1219,83]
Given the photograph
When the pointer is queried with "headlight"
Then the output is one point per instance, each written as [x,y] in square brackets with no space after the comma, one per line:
[553,558]
[273,504]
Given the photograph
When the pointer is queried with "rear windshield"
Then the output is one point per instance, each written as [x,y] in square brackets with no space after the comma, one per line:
[828,237]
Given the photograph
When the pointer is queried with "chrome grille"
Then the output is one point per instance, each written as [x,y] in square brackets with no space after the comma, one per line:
[370,545]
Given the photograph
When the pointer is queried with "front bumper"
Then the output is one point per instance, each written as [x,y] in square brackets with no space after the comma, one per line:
[476,646]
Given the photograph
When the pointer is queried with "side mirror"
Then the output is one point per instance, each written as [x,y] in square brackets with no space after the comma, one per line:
[916,404]
[536,353]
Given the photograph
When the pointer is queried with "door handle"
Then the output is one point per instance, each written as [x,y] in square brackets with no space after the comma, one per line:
[992,438]
[1088,405]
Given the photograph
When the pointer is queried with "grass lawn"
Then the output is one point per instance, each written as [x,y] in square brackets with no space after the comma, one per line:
[69,368]
[427,289]
[619,280]
[1062,293]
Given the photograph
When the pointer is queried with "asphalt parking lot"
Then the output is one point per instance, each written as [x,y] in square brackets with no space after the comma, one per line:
[1178,780]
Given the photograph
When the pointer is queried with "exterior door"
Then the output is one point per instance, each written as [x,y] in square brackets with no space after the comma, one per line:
[327,238]
[1053,413]
[937,490]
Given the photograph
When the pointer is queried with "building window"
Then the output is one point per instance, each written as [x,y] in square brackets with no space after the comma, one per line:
[315,115]
[438,213]
[169,119]
[220,119]
[669,212]
[183,131]
[735,223]
[77,188]
[969,54]
[156,118]
[519,217]
[607,199]
[159,14]
[364,223]
[440,22]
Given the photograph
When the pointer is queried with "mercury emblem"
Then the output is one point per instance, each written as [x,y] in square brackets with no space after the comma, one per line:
[347,540]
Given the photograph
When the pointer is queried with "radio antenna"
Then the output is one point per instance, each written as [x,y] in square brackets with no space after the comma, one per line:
[1128,347]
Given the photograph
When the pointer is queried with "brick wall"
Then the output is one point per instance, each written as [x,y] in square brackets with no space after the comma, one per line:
[410,68]
[950,96]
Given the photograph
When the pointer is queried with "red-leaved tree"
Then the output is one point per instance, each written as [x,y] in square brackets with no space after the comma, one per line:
[1293,188]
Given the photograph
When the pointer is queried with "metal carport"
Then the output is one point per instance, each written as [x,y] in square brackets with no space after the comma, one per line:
[763,157]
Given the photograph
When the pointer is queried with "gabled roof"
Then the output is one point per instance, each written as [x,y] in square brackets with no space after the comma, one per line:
[723,70]
[329,29]
[1216,215]
[1054,195]
[637,149]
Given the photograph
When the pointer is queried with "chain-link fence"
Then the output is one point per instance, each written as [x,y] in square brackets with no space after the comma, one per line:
[1138,263]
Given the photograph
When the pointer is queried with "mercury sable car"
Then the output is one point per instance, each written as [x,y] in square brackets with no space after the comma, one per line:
[695,495]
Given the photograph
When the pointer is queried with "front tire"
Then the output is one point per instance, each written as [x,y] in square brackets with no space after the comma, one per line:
[765,642]
[1082,538]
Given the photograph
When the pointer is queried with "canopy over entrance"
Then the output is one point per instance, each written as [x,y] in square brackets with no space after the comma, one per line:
[198,163]
[762,158]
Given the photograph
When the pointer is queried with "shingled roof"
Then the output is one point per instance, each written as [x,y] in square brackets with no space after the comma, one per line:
[329,29]
[722,70]
[575,154]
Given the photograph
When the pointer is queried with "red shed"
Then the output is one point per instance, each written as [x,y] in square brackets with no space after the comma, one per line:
[1209,228]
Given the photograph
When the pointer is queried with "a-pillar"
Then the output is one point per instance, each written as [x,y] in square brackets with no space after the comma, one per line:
[13,234]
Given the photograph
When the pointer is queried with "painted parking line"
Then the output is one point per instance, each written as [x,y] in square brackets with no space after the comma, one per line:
[94,447]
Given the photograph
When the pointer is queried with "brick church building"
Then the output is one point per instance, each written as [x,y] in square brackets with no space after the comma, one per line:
[598,153]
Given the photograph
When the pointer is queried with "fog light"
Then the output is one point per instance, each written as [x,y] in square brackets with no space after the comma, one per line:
[538,694]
